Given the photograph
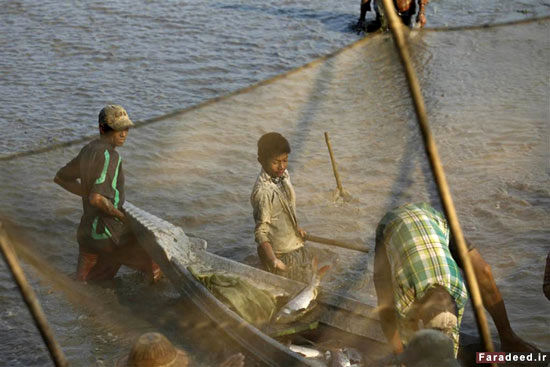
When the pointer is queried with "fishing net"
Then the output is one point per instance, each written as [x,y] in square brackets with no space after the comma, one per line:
[195,168]
[253,304]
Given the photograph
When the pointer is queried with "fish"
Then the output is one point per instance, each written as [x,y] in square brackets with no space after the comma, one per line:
[304,301]
[339,359]
[343,357]
[305,351]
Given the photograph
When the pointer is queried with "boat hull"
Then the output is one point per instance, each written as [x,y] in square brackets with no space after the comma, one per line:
[353,322]
[174,251]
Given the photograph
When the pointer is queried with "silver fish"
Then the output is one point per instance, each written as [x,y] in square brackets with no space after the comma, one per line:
[339,359]
[303,302]
[305,351]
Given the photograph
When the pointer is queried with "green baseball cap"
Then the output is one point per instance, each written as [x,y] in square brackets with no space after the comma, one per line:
[115,117]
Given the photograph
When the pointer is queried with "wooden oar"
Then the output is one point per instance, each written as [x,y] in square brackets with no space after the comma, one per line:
[343,193]
[328,241]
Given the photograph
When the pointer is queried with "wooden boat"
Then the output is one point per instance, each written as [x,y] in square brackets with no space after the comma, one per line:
[338,314]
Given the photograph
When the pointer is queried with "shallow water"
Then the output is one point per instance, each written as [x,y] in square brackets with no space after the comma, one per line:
[487,98]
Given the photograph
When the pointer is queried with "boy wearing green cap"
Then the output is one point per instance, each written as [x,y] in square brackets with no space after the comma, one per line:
[95,174]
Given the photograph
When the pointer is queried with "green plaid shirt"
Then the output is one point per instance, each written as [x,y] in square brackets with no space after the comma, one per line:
[416,238]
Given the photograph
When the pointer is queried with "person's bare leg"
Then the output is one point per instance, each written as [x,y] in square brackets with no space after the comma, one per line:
[494,304]
[403,5]
[132,255]
[365,6]
[86,261]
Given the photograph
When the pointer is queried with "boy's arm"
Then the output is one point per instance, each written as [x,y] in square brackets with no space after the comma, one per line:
[267,250]
[102,203]
[67,177]
[72,186]
[384,294]
[261,204]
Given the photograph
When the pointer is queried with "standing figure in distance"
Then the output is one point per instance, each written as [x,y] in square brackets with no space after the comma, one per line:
[406,9]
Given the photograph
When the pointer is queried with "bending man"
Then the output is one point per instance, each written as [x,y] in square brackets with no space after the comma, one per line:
[418,283]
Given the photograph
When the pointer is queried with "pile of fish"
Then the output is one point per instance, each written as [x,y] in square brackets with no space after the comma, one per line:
[341,357]
[303,303]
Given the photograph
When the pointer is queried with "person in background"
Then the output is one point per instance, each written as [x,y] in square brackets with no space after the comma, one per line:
[105,239]
[406,9]
[155,350]
[418,283]
[280,240]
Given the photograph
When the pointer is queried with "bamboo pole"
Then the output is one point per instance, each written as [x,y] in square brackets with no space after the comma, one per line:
[439,174]
[31,300]
[343,193]
[334,168]
[328,241]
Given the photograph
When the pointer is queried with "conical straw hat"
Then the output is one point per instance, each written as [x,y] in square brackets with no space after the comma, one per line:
[154,350]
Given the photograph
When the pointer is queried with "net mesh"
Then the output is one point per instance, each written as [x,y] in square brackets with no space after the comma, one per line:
[486,92]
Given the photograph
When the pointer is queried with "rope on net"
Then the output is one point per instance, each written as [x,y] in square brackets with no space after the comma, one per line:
[30,152]
[396,27]
[487,25]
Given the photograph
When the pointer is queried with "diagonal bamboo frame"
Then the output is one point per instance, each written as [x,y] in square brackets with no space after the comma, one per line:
[437,169]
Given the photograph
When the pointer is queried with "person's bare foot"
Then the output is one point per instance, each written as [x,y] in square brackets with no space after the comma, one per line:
[514,343]
[156,274]
[421,20]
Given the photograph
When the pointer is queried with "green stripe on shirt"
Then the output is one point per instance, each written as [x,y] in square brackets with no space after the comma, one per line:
[97,236]
[101,178]
[115,179]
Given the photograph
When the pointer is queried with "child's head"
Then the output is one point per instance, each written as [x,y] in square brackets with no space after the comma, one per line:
[273,150]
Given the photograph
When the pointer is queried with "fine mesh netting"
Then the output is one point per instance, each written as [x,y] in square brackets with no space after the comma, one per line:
[486,92]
